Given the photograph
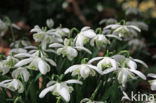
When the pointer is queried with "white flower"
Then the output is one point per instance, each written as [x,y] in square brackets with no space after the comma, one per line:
[125,73]
[21,72]
[128,69]
[129,62]
[35,62]
[87,100]
[20,43]
[83,37]
[83,70]
[152,82]
[140,24]
[60,89]
[106,64]
[3,27]
[16,51]
[60,32]
[136,44]
[67,50]
[100,40]
[45,37]
[13,85]
[7,64]
[50,23]
[124,31]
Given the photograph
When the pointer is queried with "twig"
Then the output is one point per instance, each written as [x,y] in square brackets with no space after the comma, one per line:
[79,13]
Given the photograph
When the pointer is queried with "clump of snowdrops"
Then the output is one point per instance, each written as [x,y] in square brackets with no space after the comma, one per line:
[71,65]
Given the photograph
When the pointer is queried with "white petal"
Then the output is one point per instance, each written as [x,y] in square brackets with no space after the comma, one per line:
[151,75]
[153,85]
[22,55]
[56,45]
[113,36]
[112,26]
[141,75]
[134,27]
[30,47]
[23,62]
[95,68]
[42,67]
[109,70]
[65,94]
[46,90]
[89,33]
[131,64]
[50,83]
[83,48]
[51,61]
[84,72]
[95,59]
[85,100]
[85,28]
[44,44]
[72,68]
[141,62]
[73,81]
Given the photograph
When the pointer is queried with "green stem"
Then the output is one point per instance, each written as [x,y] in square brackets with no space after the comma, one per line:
[11,29]
[124,51]
[18,99]
[58,99]
[96,90]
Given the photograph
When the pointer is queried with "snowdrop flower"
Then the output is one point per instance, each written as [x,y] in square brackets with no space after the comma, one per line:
[83,37]
[3,27]
[129,62]
[152,82]
[136,44]
[125,73]
[106,64]
[100,41]
[50,23]
[61,32]
[67,50]
[35,62]
[128,69]
[16,51]
[83,70]
[21,71]
[7,64]
[124,30]
[32,49]
[87,100]
[45,37]
[140,24]
[60,89]
[13,85]
[20,43]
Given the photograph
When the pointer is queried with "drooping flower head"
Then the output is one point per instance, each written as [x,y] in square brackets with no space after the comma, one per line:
[60,89]
[13,85]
